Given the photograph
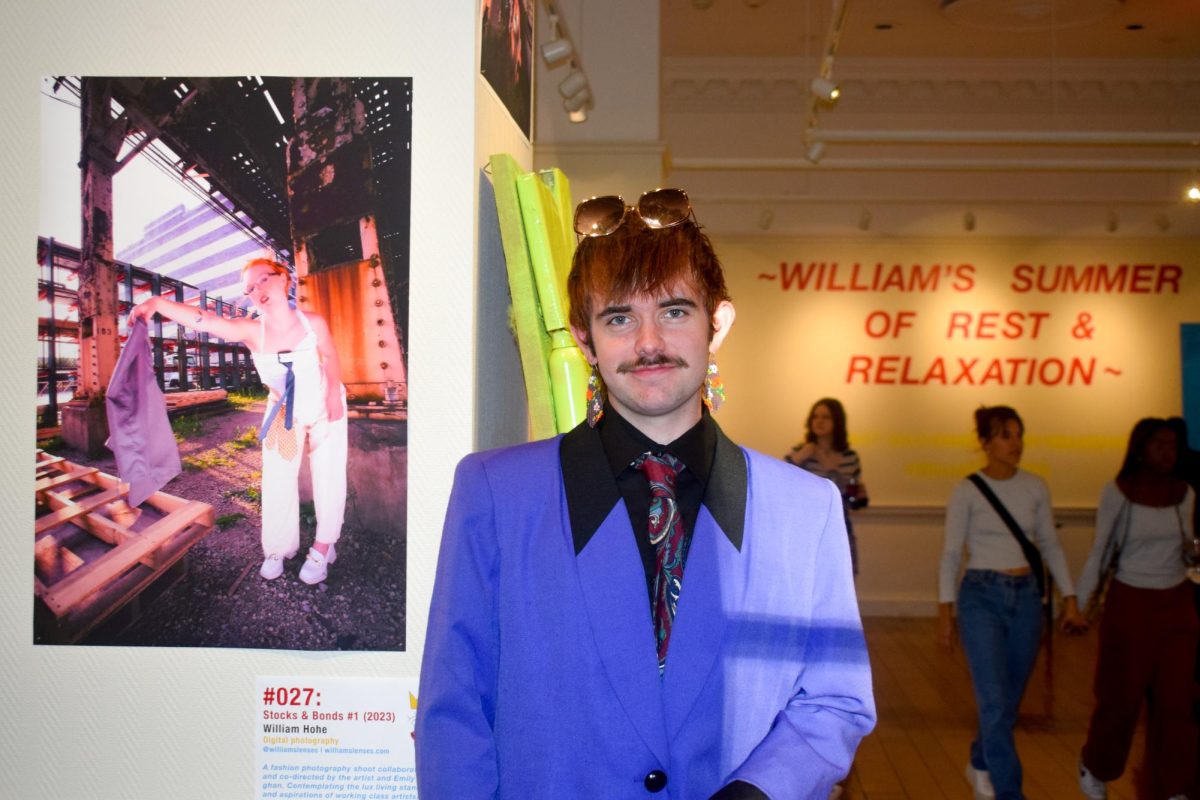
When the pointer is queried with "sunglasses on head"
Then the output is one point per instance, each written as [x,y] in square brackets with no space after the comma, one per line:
[660,208]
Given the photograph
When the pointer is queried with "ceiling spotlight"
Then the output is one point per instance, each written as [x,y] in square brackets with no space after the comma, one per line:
[1111,222]
[765,218]
[815,151]
[969,221]
[825,89]
[578,115]
[1193,193]
[556,50]
[573,84]
[864,220]
[577,100]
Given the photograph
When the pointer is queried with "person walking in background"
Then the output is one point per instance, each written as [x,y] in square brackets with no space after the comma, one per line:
[1187,468]
[1187,461]
[1000,595]
[1149,628]
[294,354]
[826,451]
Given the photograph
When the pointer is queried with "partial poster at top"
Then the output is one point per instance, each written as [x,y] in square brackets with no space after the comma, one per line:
[506,56]
[222,415]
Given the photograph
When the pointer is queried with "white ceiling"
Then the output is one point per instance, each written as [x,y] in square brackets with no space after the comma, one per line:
[1083,117]
[922,29]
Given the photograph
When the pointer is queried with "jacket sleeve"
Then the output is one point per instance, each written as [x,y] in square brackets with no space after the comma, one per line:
[455,744]
[1047,541]
[958,521]
[1109,513]
[811,744]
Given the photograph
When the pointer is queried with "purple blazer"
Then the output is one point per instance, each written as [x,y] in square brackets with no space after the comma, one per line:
[539,676]
[139,433]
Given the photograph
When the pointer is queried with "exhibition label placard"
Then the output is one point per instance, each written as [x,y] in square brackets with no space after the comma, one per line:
[335,738]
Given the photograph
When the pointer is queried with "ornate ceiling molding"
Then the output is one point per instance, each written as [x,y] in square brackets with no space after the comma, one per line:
[976,85]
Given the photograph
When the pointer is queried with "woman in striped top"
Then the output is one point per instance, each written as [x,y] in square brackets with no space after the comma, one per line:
[826,451]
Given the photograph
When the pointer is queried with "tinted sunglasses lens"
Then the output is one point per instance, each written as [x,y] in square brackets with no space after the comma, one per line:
[599,216]
[663,208]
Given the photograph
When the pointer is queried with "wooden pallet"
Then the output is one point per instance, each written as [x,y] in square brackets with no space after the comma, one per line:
[197,403]
[92,553]
[177,401]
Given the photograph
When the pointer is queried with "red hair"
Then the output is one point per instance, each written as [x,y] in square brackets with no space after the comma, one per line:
[638,260]
[273,265]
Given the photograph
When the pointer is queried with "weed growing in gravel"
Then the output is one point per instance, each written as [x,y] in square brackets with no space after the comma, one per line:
[186,426]
[207,460]
[226,520]
[246,438]
[251,493]
[244,398]
[54,443]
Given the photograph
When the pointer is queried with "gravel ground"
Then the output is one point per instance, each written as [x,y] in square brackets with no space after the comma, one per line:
[221,601]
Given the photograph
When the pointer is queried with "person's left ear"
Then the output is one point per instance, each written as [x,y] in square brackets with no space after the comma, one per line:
[585,344]
[723,317]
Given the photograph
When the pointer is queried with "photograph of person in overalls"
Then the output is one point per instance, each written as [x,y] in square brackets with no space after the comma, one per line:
[294,355]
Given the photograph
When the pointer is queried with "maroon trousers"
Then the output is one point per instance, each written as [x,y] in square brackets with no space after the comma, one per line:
[1147,651]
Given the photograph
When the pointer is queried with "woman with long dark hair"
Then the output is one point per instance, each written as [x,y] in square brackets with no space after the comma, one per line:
[1148,628]
[826,451]
[1000,596]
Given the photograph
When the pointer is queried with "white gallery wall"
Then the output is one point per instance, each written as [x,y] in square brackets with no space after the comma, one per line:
[148,723]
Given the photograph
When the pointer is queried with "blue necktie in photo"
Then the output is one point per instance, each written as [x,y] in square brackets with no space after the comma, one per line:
[286,401]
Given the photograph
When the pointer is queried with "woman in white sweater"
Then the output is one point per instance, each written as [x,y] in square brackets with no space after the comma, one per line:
[999,598]
[1148,629]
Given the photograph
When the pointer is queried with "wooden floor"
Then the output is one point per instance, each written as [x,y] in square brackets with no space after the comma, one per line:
[927,719]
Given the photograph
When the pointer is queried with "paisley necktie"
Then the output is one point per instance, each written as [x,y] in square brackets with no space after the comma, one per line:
[666,534]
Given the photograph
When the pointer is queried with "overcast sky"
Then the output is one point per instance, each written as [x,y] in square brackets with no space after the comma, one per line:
[141,191]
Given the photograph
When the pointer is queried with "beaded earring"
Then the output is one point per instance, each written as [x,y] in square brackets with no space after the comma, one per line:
[594,397]
[713,392]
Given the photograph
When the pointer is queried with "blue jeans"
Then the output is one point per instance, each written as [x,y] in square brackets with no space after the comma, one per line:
[1000,626]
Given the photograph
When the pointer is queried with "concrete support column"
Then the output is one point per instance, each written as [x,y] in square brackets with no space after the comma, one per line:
[84,426]
[334,205]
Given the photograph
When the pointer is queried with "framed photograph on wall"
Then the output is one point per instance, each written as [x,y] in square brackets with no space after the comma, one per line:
[233,472]
[506,56]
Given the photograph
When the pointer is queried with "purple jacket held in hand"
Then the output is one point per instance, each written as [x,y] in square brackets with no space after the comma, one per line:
[139,433]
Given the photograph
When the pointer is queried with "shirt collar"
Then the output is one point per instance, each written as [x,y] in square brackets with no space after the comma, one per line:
[590,484]
[623,443]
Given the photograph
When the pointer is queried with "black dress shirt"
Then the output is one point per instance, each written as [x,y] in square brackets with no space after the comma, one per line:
[623,443]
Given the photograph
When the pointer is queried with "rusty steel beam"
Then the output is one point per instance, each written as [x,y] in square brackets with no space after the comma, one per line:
[101,138]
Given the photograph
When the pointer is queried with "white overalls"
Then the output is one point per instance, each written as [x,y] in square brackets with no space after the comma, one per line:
[282,448]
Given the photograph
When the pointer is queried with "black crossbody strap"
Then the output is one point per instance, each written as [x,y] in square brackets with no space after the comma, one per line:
[1027,547]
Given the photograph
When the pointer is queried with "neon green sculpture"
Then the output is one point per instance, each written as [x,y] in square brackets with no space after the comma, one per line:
[535,228]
